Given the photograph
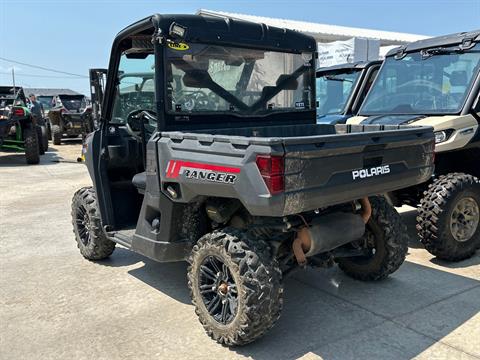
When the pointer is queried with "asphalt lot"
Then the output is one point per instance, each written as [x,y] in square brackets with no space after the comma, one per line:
[56,305]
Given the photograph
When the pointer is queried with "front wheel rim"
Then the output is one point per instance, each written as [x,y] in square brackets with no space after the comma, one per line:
[218,290]
[82,221]
[464,219]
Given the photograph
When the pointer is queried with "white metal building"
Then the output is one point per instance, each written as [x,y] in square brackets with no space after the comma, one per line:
[323,32]
[336,44]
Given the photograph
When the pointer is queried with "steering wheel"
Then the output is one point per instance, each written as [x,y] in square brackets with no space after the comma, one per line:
[194,100]
[426,100]
[135,120]
[202,100]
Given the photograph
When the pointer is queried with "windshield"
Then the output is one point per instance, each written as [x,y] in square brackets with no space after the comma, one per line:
[46,101]
[436,81]
[333,91]
[207,78]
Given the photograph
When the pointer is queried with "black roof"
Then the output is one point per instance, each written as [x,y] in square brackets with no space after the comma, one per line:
[359,65]
[226,31]
[49,91]
[71,96]
[444,40]
[7,91]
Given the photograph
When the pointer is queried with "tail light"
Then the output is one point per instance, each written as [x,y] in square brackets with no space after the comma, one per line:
[18,111]
[272,169]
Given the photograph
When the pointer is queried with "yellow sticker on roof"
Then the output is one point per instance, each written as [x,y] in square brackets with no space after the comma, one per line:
[178,46]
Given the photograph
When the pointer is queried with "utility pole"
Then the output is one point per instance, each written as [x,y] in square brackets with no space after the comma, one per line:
[13,79]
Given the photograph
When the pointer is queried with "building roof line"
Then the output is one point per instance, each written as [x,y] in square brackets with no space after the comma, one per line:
[329,32]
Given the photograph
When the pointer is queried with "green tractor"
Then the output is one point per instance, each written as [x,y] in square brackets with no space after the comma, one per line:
[18,129]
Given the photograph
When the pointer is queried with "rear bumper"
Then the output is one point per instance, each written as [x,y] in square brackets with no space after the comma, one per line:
[73,118]
[73,124]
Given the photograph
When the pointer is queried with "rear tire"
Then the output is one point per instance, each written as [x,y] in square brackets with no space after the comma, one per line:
[91,240]
[42,139]
[45,138]
[32,149]
[56,135]
[387,240]
[448,217]
[252,281]
[49,130]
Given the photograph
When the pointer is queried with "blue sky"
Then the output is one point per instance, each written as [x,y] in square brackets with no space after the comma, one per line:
[74,36]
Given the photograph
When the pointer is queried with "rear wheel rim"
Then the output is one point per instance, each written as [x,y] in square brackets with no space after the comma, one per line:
[82,221]
[464,219]
[218,290]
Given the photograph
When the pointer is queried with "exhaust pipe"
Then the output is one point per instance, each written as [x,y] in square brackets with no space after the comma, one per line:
[330,231]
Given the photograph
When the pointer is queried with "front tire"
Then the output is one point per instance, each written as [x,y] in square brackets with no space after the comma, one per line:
[448,217]
[32,148]
[56,135]
[91,240]
[386,242]
[235,285]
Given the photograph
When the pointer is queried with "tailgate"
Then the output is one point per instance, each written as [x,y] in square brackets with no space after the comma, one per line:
[323,164]
[358,161]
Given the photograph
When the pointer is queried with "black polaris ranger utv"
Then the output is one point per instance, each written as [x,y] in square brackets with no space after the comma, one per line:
[436,82]
[18,129]
[208,151]
[342,88]
[69,117]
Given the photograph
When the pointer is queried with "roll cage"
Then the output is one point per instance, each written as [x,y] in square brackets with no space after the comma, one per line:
[459,42]
[367,71]
[13,94]
[150,35]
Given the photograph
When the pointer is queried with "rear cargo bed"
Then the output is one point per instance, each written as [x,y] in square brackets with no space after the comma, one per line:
[324,164]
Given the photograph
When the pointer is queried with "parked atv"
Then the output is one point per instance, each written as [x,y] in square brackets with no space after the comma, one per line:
[341,90]
[208,151]
[70,117]
[436,82]
[18,130]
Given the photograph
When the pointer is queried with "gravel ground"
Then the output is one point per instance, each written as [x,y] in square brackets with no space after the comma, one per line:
[56,305]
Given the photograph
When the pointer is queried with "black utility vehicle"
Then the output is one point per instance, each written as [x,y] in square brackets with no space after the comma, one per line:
[342,88]
[208,152]
[70,116]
